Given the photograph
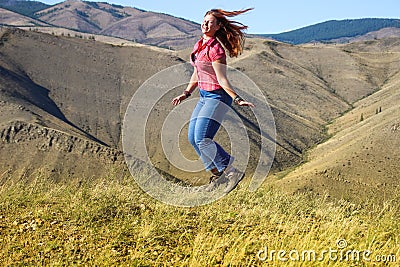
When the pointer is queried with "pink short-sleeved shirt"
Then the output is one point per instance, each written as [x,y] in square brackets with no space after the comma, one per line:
[202,57]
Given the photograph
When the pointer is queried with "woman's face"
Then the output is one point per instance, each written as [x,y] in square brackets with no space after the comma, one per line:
[210,25]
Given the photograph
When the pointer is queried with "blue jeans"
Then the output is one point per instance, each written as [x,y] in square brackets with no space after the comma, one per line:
[204,124]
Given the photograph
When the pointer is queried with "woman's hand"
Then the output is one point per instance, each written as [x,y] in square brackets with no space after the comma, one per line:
[244,103]
[177,100]
[219,66]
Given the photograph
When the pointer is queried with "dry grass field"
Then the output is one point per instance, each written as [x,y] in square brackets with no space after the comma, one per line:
[109,221]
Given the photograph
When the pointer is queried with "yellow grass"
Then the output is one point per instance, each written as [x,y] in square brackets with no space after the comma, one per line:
[111,222]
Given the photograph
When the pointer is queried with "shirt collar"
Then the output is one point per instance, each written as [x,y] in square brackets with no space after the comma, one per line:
[209,41]
[200,46]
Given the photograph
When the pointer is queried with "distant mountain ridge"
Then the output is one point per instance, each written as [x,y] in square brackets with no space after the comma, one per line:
[334,29]
[167,31]
[129,23]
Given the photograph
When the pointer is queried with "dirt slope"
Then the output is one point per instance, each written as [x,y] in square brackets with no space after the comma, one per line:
[77,88]
[361,160]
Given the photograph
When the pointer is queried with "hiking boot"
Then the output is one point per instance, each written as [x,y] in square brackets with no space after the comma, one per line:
[215,181]
[233,176]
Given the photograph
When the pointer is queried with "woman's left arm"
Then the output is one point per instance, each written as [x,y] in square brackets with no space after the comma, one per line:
[219,67]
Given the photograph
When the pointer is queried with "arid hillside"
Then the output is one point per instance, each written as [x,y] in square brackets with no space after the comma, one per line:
[71,91]
[360,160]
[123,22]
[379,34]
[109,20]
[63,98]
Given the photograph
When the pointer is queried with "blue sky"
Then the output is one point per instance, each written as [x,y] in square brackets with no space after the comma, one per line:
[271,16]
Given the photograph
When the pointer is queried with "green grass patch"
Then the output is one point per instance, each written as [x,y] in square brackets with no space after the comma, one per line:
[111,222]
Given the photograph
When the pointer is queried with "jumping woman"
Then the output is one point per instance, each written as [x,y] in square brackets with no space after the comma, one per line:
[216,93]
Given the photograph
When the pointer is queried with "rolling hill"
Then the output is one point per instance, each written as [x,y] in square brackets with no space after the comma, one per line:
[123,22]
[63,101]
[47,84]
[106,19]
[360,160]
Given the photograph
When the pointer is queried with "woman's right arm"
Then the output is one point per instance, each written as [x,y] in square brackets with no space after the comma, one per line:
[193,82]
[189,89]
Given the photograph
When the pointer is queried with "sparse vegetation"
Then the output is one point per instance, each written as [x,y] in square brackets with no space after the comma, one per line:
[110,221]
[82,13]
[334,29]
[53,10]
[113,10]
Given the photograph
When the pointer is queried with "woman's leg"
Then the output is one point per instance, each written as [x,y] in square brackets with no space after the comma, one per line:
[192,126]
[205,124]
[193,136]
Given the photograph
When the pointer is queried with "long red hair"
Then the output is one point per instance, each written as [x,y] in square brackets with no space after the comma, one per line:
[231,33]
